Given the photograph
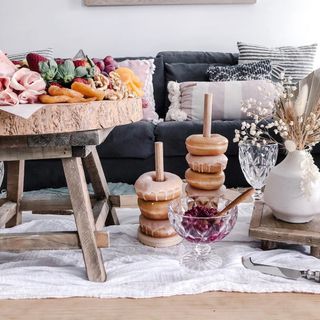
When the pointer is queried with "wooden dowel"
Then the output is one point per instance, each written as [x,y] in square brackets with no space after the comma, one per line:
[159,161]
[207,114]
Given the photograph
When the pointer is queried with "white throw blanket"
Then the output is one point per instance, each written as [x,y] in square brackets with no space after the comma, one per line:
[134,270]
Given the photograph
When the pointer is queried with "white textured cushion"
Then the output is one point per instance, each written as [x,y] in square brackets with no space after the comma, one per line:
[187,98]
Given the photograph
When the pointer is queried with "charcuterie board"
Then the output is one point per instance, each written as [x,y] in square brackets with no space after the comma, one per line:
[72,117]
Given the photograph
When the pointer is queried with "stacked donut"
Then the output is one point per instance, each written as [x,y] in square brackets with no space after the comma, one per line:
[206,159]
[155,190]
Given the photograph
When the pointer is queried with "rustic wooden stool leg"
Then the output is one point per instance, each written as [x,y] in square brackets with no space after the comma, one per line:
[15,180]
[268,245]
[315,251]
[97,177]
[83,215]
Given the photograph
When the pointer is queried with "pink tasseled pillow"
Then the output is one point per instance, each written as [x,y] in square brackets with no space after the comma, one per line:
[144,69]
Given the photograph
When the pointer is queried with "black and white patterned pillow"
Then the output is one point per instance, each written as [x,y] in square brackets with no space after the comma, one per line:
[251,71]
[296,62]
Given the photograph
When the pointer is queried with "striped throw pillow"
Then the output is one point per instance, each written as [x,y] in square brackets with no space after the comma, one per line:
[187,98]
[48,53]
[295,62]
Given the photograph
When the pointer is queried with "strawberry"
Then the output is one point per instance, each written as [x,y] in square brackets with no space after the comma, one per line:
[82,80]
[33,60]
[59,60]
[80,63]
[56,84]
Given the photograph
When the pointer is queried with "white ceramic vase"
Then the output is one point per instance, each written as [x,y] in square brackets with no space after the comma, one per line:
[293,188]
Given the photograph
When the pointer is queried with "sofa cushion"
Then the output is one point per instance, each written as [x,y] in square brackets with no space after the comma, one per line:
[182,72]
[157,79]
[174,134]
[187,98]
[260,70]
[134,140]
[199,59]
[296,62]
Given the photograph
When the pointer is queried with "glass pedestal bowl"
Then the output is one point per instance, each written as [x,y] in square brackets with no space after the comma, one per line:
[194,221]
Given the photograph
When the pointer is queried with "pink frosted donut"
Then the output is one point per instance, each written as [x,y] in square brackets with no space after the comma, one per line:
[196,193]
[207,164]
[156,228]
[147,188]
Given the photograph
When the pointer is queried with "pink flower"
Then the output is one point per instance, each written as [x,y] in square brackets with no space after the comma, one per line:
[7,96]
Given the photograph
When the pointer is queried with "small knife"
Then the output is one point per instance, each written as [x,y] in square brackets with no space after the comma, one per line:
[280,271]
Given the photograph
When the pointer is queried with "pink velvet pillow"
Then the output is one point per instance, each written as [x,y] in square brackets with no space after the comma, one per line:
[144,69]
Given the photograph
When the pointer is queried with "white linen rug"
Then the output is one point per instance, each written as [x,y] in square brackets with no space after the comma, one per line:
[137,271]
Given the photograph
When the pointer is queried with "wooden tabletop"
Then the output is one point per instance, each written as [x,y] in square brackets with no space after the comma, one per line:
[72,117]
[213,305]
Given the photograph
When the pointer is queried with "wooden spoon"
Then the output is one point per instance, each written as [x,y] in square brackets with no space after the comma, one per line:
[243,196]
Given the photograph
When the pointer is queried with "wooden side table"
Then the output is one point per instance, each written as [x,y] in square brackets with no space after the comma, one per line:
[271,231]
[77,152]
[69,132]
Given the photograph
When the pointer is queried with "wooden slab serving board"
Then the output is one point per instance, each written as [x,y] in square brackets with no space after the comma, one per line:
[72,117]
[271,231]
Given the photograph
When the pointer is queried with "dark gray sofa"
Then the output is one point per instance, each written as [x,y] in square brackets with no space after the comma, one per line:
[129,150]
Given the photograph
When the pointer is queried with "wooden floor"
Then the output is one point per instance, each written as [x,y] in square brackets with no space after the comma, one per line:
[215,305]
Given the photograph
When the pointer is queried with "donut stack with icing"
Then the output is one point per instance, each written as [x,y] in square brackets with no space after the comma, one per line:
[206,159]
[155,190]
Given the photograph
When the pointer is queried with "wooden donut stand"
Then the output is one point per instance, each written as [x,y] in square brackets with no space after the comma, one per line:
[70,133]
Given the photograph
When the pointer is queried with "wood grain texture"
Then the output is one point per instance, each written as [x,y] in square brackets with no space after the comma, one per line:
[15,181]
[63,118]
[7,211]
[28,153]
[264,226]
[47,202]
[210,305]
[161,2]
[96,174]
[48,241]
[207,114]
[83,215]
[100,214]
[81,138]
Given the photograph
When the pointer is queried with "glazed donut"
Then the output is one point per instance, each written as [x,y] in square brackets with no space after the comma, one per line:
[198,145]
[197,193]
[205,181]
[147,188]
[207,164]
[154,210]
[156,228]
[159,242]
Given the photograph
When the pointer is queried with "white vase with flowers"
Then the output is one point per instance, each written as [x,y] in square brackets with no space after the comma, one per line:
[292,188]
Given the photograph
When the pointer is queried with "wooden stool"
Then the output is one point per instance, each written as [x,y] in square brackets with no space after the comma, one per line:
[77,151]
[271,231]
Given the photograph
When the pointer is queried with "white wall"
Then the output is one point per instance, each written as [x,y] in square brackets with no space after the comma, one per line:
[67,25]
